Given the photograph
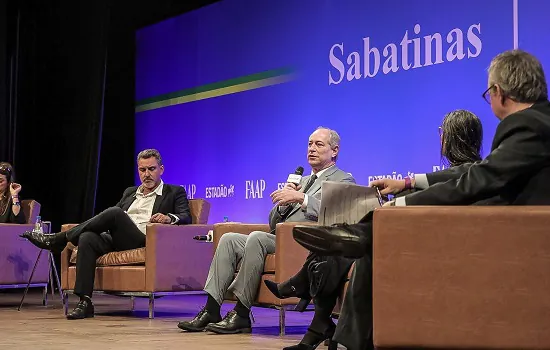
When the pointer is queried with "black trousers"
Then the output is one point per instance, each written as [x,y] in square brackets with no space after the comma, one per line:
[354,329]
[329,276]
[110,230]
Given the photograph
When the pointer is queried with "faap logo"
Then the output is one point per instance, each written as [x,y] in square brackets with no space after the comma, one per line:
[191,190]
[438,168]
[254,189]
[221,191]
[280,185]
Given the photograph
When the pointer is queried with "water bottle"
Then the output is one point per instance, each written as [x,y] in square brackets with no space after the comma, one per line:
[38,225]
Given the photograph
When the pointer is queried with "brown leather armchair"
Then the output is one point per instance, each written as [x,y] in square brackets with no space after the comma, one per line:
[170,263]
[462,277]
[288,259]
[18,256]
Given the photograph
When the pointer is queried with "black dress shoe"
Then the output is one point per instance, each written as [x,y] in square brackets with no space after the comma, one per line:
[281,290]
[51,242]
[286,290]
[84,309]
[302,304]
[338,240]
[315,340]
[231,324]
[200,321]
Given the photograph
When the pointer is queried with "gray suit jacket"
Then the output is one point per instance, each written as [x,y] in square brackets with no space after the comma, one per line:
[311,212]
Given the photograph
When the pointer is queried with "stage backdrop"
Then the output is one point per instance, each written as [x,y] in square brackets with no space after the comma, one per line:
[230,93]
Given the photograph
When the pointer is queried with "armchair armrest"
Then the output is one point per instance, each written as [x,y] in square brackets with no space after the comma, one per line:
[289,255]
[174,261]
[225,227]
[461,277]
[17,256]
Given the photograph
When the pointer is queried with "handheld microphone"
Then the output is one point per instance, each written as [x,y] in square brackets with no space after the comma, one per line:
[208,237]
[295,179]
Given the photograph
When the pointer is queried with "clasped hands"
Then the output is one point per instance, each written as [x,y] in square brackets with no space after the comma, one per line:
[287,195]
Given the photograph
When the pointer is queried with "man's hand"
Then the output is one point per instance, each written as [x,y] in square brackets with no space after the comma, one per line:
[160,218]
[286,196]
[291,186]
[390,186]
[15,189]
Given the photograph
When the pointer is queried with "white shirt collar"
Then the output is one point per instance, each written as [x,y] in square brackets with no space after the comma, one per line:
[320,172]
[157,191]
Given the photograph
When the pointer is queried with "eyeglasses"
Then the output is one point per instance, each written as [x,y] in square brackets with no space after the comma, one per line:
[486,96]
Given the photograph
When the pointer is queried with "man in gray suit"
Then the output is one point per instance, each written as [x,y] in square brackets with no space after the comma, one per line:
[296,203]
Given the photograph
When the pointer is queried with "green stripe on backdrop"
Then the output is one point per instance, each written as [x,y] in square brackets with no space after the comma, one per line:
[226,87]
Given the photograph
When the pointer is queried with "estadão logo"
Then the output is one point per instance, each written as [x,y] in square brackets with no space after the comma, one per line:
[221,191]
[355,65]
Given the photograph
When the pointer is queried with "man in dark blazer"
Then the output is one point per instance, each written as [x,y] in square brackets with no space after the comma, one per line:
[122,227]
[516,172]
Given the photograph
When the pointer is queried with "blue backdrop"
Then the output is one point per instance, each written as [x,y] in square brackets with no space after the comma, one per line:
[382,76]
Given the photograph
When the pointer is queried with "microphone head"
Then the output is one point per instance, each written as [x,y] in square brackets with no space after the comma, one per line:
[296,177]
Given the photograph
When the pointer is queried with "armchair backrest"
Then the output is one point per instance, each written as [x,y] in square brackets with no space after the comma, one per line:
[31,208]
[200,209]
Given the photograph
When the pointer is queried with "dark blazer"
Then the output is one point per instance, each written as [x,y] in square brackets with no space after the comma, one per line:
[9,218]
[173,201]
[516,171]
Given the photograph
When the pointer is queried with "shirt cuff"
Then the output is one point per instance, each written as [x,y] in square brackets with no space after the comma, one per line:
[304,203]
[176,219]
[400,202]
[421,181]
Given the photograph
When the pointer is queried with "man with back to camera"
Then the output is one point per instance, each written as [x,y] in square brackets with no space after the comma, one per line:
[122,227]
[251,250]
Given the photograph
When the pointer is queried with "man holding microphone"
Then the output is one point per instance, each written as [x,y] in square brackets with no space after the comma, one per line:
[293,203]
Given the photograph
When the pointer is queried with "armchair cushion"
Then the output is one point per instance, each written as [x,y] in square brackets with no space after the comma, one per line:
[122,258]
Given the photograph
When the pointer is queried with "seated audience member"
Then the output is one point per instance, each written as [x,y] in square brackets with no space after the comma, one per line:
[122,227]
[461,136]
[302,203]
[10,206]
[517,171]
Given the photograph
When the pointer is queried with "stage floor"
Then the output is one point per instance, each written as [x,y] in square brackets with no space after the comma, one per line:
[116,327]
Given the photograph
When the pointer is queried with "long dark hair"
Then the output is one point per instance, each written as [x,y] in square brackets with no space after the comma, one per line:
[462,138]
[7,170]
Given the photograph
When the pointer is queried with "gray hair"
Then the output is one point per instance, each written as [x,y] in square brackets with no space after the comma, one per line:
[148,153]
[333,139]
[519,75]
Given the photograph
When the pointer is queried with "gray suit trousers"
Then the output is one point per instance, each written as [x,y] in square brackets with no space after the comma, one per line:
[247,250]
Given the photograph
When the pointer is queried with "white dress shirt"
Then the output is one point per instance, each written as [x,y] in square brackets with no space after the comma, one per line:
[142,208]
[319,173]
